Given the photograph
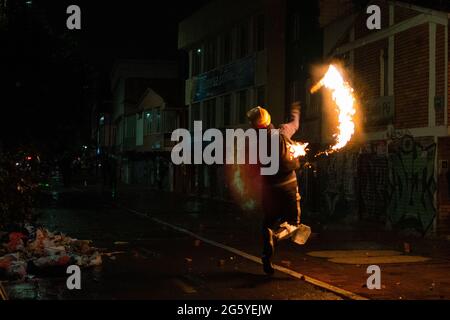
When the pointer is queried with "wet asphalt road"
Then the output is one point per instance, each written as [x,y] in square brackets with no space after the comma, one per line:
[151,261]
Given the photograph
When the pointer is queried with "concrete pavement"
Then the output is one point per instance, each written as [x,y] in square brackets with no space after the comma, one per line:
[158,262]
[150,261]
[423,278]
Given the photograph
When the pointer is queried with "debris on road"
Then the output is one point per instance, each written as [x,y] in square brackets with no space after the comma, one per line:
[35,249]
[112,254]
[407,247]
[286,263]
[3,295]
[120,243]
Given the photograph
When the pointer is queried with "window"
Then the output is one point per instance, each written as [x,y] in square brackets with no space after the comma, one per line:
[170,120]
[226,48]
[158,120]
[243,40]
[295,29]
[147,122]
[294,91]
[226,108]
[384,72]
[114,136]
[197,61]
[119,132]
[259,33]
[261,96]
[310,108]
[210,55]
[242,106]
[209,108]
[195,114]
[131,126]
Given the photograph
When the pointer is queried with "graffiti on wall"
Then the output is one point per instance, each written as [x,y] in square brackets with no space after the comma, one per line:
[339,177]
[373,181]
[412,183]
[394,184]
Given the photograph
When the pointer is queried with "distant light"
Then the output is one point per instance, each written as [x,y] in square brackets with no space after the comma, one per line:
[199,50]
[98,151]
[102,118]
[29,158]
[17,164]
[85,147]
[147,115]
[29,3]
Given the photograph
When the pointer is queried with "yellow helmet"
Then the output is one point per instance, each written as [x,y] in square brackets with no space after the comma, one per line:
[259,117]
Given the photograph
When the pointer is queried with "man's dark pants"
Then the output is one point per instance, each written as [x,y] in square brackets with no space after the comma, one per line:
[280,204]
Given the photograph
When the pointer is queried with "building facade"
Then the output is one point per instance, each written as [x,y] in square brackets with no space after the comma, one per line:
[245,60]
[147,107]
[396,171]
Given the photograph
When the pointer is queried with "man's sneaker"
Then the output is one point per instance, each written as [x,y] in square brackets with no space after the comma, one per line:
[267,266]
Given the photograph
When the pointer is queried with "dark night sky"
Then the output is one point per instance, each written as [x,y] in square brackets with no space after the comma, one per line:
[45,66]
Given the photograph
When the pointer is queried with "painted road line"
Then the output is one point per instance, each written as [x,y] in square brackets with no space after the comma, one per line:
[295,274]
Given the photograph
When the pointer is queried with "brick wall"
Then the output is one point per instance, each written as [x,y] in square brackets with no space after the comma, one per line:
[443,154]
[401,14]
[330,10]
[367,73]
[443,188]
[411,77]
[440,71]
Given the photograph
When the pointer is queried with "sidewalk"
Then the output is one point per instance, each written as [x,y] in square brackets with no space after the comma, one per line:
[225,223]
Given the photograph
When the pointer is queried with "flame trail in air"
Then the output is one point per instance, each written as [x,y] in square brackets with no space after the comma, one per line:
[342,94]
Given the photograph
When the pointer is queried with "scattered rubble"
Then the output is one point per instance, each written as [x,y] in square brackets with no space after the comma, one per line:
[286,263]
[121,243]
[27,252]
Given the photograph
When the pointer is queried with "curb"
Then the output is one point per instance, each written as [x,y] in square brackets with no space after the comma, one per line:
[318,283]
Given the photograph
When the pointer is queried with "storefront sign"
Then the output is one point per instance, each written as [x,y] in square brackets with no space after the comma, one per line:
[234,76]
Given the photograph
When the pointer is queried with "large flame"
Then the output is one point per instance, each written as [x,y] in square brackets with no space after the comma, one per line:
[342,94]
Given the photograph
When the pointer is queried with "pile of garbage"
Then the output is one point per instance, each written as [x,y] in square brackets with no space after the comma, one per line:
[34,250]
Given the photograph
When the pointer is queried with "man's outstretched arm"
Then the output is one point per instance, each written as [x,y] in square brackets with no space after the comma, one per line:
[290,128]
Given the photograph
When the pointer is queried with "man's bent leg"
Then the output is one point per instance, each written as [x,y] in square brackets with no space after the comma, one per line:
[268,250]
[267,233]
